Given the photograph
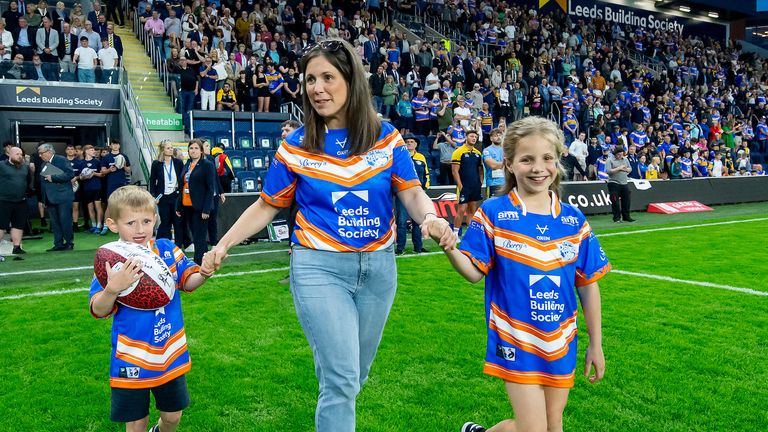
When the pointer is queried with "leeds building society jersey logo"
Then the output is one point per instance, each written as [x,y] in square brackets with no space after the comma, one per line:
[355,220]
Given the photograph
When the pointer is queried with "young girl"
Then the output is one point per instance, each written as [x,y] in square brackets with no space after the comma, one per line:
[533,250]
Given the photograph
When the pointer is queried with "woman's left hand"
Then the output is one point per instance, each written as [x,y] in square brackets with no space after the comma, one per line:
[596,358]
[204,216]
[440,231]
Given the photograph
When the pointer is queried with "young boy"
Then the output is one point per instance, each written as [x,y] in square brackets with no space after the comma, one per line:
[149,348]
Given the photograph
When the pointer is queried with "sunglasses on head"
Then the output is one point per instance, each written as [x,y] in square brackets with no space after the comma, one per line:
[326,45]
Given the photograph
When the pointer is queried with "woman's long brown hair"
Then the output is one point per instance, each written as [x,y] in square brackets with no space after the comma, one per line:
[363,124]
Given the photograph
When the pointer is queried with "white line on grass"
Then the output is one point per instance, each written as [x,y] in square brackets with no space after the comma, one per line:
[680,227]
[690,282]
[220,275]
[19,273]
[270,270]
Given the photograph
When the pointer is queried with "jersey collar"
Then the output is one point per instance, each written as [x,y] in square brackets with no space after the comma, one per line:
[518,202]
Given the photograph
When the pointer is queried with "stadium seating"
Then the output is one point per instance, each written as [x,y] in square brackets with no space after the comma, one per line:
[249,181]
[237,157]
[264,142]
[244,142]
[257,159]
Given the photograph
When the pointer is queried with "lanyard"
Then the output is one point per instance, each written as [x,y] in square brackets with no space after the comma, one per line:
[169,171]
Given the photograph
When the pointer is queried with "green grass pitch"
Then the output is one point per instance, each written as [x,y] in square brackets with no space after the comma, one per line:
[680,356]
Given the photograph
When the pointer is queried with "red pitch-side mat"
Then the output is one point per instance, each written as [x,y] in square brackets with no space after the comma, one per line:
[678,207]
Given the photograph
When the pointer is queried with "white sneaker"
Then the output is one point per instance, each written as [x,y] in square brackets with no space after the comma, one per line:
[190,248]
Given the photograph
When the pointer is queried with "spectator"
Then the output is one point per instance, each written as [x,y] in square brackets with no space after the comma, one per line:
[404,111]
[580,151]
[422,172]
[66,51]
[93,16]
[276,84]
[617,169]
[6,42]
[155,28]
[165,174]
[94,39]
[224,171]
[261,87]
[40,71]
[569,164]
[376,83]
[56,187]
[243,92]
[85,58]
[109,62]
[47,41]
[467,171]
[24,39]
[195,202]
[11,18]
[389,97]
[77,166]
[208,78]
[189,84]
[493,159]
[115,12]
[226,99]
[15,178]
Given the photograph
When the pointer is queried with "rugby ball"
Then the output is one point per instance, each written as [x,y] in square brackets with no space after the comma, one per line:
[86,173]
[119,161]
[153,290]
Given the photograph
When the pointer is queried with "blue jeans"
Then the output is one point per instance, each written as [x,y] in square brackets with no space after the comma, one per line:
[86,75]
[402,228]
[342,300]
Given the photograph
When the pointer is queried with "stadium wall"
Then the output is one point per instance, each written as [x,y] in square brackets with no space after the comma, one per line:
[590,197]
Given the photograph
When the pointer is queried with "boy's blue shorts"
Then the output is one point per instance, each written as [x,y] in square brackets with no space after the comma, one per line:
[133,404]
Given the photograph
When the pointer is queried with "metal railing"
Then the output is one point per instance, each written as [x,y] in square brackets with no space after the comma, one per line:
[137,128]
[294,110]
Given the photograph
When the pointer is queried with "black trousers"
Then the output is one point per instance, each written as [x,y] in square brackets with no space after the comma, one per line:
[115,10]
[213,225]
[199,227]
[166,208]
[61,223]
[619,200]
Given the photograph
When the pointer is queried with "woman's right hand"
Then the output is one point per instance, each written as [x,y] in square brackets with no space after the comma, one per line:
[212,260]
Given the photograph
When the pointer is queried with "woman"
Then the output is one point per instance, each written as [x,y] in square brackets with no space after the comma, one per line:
[262,89]
[77,14]
[164,186]
[535,101]
[61,16]
[195,202]
[188,26]
[389,97]
[342,315]
[243,91]
[258,47]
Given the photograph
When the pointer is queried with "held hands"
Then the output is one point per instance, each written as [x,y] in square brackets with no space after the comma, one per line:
[212,261]
[119,280]
[439,230]
[594,358]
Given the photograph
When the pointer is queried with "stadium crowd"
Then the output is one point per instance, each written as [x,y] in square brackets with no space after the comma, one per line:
[685,102]
[41,43]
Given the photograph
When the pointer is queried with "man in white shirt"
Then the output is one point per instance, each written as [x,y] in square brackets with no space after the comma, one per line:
[109,60]
[6,42]
[432,81]
[86,59]
[580,151]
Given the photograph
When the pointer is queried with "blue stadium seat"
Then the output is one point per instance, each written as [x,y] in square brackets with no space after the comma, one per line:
[204,136]
[263,142]
[256,159]
[244,142]
[225,139]
[238,160]
[249,181]
[278,141]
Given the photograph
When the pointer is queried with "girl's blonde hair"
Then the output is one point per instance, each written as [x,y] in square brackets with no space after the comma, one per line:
[526,127]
